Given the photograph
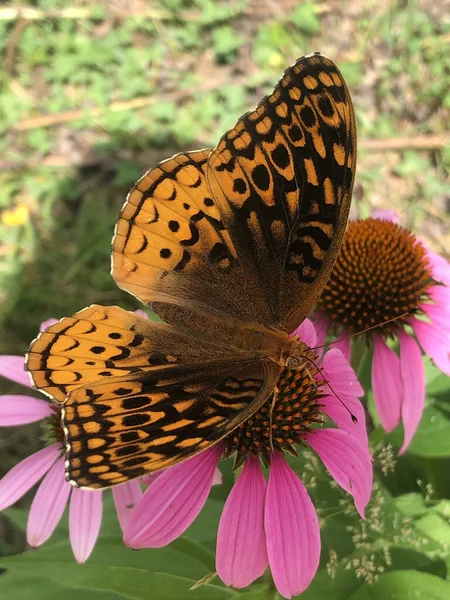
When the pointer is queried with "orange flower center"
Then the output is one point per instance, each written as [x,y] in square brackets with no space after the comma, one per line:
[285,417]
[381,274]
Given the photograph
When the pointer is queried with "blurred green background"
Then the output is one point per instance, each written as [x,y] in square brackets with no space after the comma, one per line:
[94,93]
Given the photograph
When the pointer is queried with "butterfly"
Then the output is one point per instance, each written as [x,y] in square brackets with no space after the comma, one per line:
[230,248]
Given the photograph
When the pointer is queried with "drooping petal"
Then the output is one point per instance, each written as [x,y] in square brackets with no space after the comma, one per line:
[126,497]
[439,311]
[141,313]
[241,555]
[343,343]
[435,343]
[48,505]
[386,384]
[19,410]
[13,368]
[440,268]
[321,325]
[149,479]
[172,501]
[307,333]
[348,461]
[385,214]
[341,410]
[440,294]
[217,479]
[413,379]
[341,376]
[46,324]
[25,474]
[85,518]
[292,530]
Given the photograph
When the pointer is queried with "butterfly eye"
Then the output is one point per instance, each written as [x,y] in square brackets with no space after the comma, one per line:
[293,362]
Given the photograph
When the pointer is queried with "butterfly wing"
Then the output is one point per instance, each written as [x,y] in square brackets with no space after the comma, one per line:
[282,180]
[139,396]
[252,229]
[126,428]
[171,247]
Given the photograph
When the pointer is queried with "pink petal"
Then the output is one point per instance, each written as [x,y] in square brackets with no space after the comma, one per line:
[347,460]
[85,518]
[440,268]
[217,479]
[321,325]
[48,505]
[439,311]
[341,411]
[338,372]
[435,343]
[141,313]
[172,501]
[292,530]
[148,479]
[440,294]
[343,343]
[413,379]
[306,332]
[241,555]
[126,497]
[13,368]
[24,475]
[18,410]
[386,384]
[46,324]
[386,215]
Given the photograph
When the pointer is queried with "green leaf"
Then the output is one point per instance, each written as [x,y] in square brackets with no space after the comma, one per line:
[20,586]
[261,594]
[405,585]
[184,557]
[130,582]
[432,438]
[304,16]
[169,572]
[435,523]
[411,505]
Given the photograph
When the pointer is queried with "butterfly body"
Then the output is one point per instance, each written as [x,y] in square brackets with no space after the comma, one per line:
[230,248]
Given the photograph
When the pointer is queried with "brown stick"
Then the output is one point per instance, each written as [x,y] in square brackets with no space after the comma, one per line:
[34,14]
[135,103]
[418,142]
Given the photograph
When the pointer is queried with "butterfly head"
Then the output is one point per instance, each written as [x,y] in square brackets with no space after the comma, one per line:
[299,355]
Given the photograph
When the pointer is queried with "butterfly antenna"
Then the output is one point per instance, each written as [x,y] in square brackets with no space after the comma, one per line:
[320,369]
[351,335]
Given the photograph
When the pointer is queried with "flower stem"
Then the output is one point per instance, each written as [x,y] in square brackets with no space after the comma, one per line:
[272,593]
[359,355]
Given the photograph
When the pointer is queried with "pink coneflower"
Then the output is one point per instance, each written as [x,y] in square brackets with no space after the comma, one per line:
[53,493]
[269,522]
[384,273]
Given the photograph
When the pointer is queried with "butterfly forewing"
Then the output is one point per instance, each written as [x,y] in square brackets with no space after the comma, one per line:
[282,179]
[252,229]
[102,342]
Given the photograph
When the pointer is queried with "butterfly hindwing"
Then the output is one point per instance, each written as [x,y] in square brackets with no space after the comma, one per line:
[125,428]
[138,396]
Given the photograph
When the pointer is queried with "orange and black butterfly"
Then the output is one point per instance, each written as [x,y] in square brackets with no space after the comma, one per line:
[231,248]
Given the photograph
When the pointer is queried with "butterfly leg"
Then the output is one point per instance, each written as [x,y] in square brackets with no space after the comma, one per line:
[272,406]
